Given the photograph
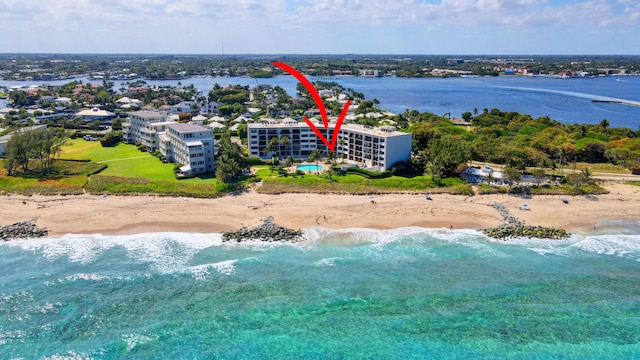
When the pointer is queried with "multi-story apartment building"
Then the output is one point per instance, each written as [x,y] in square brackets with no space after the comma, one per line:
[139,128]
[186,144]
[189,145]
[371,147]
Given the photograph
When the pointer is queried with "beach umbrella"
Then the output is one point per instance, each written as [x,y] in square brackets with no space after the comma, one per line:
[524,205]
[370,196]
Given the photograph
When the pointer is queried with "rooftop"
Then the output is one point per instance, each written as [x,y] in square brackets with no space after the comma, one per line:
[147,114]
[289,123]
[179,127]
[95,112]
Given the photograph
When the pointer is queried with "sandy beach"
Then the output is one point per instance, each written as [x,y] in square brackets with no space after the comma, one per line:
[138,214]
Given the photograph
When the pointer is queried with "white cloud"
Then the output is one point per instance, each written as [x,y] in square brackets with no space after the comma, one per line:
[296,25]
[632,9]
[579,14]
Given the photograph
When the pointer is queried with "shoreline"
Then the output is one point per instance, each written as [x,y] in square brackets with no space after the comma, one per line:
[125,215]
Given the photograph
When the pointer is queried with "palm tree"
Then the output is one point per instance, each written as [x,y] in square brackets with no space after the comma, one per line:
[284,141]
[330,173]
[289,161]
[315,156]
[331,156]
[490,178]
[586,174]
[563,155]
[272,146]
[604,124]
[227,168]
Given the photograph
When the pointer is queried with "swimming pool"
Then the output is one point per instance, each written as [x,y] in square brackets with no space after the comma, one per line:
[309,168]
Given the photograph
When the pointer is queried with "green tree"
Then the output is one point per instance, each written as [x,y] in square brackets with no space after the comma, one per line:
[331,157]
[95,125]
[512,176]
[330,173]
[40,144]
[289,161]
[284,141]
[315,155]
[446,155]
[538,175]
[490,178]
[46,147]
[230,163]
[272,147]
[586,173]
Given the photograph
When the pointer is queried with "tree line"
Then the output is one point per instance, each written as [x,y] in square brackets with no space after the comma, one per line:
[25,145]
[520,141]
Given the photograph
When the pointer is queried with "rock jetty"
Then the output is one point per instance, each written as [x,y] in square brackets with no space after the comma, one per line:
[515,228]
[506,232]
[267,231]
[22,230]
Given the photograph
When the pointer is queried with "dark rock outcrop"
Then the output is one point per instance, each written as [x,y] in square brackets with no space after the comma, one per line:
[515,228]
[505,232]
[267,231]
[22,230]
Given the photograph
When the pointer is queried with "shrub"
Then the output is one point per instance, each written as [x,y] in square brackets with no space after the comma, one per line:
[253,161]
[368,174]
[402,168]
[462,189]
[111,139]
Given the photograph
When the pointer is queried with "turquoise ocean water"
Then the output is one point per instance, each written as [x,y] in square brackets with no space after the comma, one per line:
[408,293]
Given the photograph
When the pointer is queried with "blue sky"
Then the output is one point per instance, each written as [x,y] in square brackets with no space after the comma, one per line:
[321,26]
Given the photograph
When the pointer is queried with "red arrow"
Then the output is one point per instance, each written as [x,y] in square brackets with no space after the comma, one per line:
[323,111]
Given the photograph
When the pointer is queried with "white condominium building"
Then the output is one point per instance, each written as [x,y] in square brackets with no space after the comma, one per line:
[189,145]
[186,144]
[143,127]
[371,147]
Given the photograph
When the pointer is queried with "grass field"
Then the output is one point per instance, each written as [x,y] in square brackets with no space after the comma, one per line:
[356,184]
[126,161]
[67,178]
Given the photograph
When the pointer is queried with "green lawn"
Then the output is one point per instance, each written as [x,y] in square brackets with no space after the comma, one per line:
[125,160]
[92,150]
[67,178]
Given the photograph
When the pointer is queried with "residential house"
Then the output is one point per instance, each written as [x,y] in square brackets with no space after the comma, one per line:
[210,107]
[96,114]
[183,107]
